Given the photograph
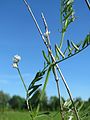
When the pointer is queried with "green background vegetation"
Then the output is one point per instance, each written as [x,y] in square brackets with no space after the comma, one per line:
[14,108]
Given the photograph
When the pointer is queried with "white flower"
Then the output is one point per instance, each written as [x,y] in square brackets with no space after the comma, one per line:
[15,65]
[16,59]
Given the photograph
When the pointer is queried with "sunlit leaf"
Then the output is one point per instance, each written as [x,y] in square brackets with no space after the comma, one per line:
[33,86]
[57,55]
[69,48]
[45,57]
[44,88]
[59,51]
[75,46]
[86,41]
[43,113]
[67,13]
[32,89]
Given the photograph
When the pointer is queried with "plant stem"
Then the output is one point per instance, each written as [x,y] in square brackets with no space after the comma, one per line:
[24,87]
[88,4]
[62,39]
[58,89]
[61,12]
[61,20]
[54,68]
[22,79]
[68,90]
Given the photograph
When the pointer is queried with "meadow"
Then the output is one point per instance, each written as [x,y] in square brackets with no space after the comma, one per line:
[24,116]
[12,115]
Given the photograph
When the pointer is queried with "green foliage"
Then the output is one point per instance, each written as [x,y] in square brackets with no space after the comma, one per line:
[54,103]
[85,111]
[44,103]
[67,17]
[43,90]
[35,99]
[80,105]
[57,50]
[67,13]
[16,102]
[24,116]
[73,48]
[46,58]
[86,41]
[4,98]
[33,86]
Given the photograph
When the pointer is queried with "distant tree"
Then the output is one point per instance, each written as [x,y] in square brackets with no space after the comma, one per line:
[89,100]
[62,100]
[17,103]
[34,100]
[54,103]
[44,102]
[4,98]
[78,99]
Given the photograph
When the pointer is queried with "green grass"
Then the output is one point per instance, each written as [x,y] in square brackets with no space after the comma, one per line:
[10,115]
[14,116]
[24,116]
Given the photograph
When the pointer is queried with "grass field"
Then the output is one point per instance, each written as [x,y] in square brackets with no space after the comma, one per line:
[25,116]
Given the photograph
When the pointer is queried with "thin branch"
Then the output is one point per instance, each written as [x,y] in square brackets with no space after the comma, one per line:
[47,32]
[69,92]
[54,68]
[24,87]
[58,89]
[34,19]
[88,4]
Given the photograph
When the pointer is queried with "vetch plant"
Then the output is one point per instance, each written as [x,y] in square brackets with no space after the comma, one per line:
[33,86]
[52,60]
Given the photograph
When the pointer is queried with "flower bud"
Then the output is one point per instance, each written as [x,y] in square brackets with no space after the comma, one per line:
[15,65]
[16,59]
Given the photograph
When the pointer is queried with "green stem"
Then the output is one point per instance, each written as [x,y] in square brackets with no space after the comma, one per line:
[88,4]
[62,39]
[24,87]
[69,92]
[61,13]
[58,90]
[22,79]
[61,17]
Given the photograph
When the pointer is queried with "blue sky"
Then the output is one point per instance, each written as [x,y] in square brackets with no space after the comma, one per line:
[18,35]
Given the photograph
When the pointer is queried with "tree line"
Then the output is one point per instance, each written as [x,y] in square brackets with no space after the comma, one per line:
[18,103]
